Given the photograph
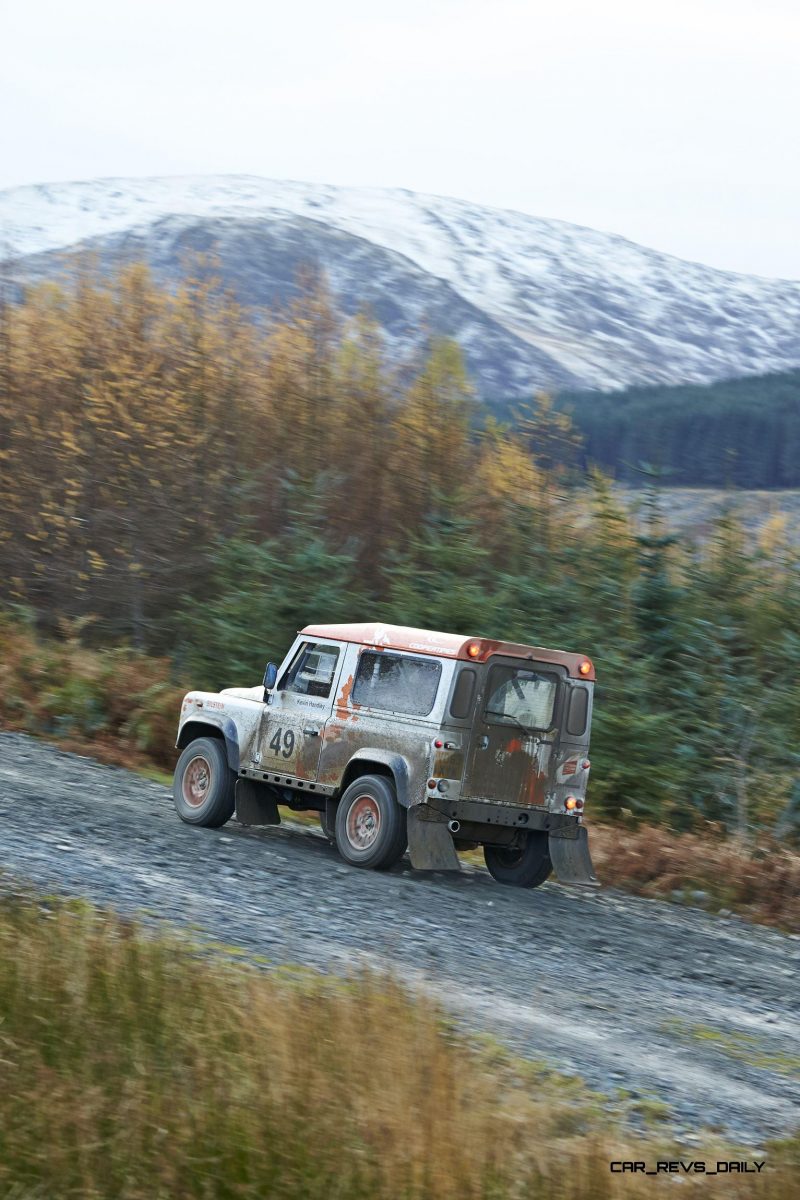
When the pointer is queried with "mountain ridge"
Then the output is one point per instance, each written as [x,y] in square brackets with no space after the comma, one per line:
[535,302]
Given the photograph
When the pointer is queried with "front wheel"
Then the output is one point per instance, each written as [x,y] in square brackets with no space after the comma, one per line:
[203,784]
[370,825]
[525,866]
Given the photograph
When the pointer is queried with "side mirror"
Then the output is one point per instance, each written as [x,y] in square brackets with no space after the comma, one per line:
[270,677]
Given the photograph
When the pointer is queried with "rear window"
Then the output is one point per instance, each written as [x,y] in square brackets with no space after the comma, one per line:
[520,696]
[396,683]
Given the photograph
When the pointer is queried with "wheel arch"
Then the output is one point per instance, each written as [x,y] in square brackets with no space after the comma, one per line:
[225,732]
[372,761]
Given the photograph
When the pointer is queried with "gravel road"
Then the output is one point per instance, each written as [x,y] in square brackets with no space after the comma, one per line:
[660,1000]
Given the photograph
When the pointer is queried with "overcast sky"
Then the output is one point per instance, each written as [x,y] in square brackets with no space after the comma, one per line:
[673,123]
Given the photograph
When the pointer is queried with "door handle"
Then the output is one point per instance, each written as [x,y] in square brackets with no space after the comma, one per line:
[310,733]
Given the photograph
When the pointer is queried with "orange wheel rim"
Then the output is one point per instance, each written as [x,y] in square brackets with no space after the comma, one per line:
[196,781]
[363,822]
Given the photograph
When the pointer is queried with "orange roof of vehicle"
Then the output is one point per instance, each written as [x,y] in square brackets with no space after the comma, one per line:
[445,645]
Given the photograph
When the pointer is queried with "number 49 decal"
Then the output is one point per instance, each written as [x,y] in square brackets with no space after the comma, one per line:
[283,742]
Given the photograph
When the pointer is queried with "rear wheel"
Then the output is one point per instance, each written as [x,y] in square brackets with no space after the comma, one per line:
[520,866]
[203,784]
[370,824]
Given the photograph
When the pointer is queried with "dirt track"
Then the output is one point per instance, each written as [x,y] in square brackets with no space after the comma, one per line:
[656,999]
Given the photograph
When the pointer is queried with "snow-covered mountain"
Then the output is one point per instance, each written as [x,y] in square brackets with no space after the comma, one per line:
[534,303]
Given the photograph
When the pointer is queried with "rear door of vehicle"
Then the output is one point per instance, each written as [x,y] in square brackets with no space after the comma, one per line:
[514,732]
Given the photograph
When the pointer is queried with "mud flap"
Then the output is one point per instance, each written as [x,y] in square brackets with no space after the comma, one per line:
[571,860]
[255,804]
[430,846]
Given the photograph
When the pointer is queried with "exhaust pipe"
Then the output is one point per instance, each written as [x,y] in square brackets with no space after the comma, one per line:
[454,826]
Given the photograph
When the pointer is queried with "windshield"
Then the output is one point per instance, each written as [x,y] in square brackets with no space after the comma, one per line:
[521,696]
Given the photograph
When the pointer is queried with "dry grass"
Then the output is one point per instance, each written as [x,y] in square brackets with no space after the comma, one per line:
[137,1068]
[122,708]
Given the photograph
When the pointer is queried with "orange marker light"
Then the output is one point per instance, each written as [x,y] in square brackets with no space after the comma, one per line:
[474,649]
[570,803]
[585,667]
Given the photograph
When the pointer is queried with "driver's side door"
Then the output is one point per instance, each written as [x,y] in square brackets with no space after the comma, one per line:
[300,704]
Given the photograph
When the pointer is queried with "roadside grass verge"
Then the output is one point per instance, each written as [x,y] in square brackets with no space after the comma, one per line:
[122,708]
[746,1048]
[138,1067]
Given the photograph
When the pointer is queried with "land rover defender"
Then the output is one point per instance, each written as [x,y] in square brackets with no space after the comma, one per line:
[404,738]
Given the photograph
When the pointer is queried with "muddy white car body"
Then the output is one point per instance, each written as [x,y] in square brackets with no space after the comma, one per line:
[401,736]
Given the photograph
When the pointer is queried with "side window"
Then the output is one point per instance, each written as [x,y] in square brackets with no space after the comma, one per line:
[578,711]
[396,683]
[312,670]
[463,694]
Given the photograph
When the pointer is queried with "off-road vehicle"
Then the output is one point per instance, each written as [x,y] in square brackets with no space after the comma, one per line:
[404,738]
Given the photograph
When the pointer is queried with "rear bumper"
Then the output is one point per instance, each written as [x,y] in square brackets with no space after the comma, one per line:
[431,830]
[506,815]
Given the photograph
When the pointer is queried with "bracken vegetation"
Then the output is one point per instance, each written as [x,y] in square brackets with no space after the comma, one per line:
[136,1067]
[760,881]
[180,482]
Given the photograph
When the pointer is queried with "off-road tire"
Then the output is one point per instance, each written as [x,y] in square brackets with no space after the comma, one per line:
[528,866]
[203,784]
[371,829]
